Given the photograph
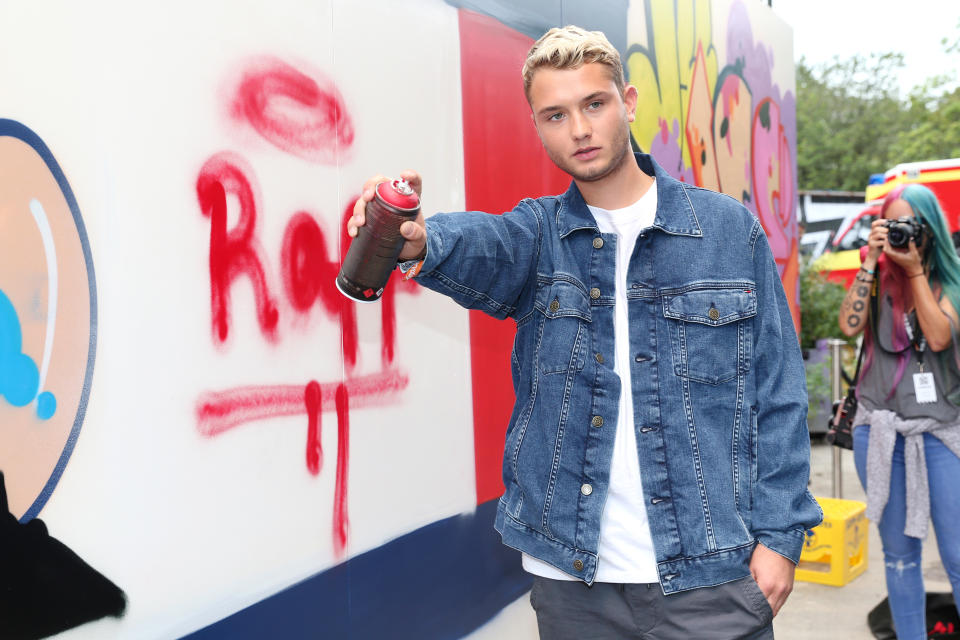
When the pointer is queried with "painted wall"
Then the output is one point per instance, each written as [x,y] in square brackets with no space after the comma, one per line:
[188,405]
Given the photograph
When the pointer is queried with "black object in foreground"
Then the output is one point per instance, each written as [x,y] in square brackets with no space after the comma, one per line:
[46,588]
[942,620]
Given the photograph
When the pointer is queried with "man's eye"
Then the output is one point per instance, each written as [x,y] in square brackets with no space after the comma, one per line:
[555,117]
[596,104]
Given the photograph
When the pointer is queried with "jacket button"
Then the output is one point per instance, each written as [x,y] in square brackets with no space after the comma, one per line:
[597,243]
[554,305]
[586,489]
[597,421]
[578,565]
[599,358]
[714,314]
[594,293]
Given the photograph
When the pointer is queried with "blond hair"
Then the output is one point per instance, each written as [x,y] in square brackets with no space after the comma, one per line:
[571,47]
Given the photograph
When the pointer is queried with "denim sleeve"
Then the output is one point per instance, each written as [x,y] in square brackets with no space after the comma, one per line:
[483,261]
[783,509]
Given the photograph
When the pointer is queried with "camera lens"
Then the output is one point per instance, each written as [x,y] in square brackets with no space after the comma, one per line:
[897,237]
[900,232]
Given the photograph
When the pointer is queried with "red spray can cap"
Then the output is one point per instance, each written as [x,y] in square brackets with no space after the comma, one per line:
[398,194]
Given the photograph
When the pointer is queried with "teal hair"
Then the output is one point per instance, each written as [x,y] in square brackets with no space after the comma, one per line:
[942,257]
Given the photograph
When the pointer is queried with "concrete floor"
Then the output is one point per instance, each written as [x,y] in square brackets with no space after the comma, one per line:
[823,612]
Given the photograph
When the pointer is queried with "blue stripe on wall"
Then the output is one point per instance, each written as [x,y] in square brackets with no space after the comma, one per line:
[442,581]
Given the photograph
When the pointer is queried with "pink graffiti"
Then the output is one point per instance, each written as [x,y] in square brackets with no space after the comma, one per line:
[300,114]
[772,174]
[304,116]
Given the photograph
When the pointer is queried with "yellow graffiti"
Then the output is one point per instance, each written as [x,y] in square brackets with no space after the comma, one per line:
[679,48]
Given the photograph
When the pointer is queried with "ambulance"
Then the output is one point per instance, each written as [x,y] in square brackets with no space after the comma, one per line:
[940,176]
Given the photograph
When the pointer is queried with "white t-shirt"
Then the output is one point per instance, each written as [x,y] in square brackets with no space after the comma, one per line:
[625,552]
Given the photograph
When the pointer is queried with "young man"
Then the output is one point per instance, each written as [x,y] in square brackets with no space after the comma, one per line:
[657,458]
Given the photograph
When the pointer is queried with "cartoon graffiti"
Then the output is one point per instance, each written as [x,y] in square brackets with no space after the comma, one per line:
[677,50]
[47,320]
[305,117]
[725,131]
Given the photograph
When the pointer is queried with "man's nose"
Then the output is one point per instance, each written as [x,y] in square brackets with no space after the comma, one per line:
[580,126]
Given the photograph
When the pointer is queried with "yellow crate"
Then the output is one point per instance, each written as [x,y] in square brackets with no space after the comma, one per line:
[835,552]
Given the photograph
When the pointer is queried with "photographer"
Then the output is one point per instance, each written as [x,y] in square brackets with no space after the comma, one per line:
[907,427]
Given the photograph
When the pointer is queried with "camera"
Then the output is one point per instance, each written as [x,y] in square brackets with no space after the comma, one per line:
[840,424]
[901,230]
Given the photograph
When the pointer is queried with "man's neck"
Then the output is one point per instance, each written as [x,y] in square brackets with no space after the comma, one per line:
[619,189]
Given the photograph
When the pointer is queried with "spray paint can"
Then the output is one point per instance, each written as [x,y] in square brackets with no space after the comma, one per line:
[373,254]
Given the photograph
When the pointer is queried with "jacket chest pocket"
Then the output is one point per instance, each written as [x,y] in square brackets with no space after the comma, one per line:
[563,319]
[711,332]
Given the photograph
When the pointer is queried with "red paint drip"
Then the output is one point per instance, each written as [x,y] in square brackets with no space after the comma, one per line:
[221,411]
[299,114]
[312,398]
[235,252]
[341,522]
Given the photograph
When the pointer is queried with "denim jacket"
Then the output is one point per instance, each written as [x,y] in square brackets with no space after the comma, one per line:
[719,398]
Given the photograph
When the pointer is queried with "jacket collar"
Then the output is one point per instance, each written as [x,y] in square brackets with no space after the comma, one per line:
[675,213]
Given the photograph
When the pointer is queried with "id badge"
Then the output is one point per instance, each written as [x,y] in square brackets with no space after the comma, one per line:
[923,388]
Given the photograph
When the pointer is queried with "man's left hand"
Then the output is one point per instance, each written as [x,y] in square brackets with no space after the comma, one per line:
[774,575]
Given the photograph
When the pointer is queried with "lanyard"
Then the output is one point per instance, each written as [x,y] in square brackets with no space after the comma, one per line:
[917,339]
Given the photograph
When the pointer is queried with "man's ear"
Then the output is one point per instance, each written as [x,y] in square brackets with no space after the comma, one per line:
[630,97]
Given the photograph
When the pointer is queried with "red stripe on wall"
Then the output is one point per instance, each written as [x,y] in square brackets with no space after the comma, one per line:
[503,163]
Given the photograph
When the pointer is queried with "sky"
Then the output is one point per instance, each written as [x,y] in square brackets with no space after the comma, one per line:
[825,28]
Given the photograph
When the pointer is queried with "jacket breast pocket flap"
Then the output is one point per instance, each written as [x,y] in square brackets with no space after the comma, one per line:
[566,315]
[562,299]
[710,343]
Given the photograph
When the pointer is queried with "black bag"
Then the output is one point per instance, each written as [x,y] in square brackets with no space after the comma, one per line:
[942,620]
[840,427]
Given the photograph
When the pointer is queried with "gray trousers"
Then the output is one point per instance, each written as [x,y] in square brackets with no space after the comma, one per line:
[568,610]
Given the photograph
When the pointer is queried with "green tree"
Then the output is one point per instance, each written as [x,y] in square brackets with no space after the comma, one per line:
[934,131]
[851,120]
[820,301]
[934,109]
[849,117]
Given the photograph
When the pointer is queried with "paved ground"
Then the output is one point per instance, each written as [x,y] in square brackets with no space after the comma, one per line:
[822,612]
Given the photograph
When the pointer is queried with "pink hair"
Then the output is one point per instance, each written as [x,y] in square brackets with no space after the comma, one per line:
[893,282]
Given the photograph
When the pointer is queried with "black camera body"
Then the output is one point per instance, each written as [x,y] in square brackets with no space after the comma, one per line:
[840,425]
[901,230]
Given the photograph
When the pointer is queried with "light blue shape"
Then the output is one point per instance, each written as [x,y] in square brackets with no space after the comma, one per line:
[19,376]
[10,338]
[46,405]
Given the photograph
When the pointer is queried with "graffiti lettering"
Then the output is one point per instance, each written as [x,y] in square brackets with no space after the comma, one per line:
[315,126]
[236,251]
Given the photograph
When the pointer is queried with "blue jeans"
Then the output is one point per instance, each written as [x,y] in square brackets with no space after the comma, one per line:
[901,554]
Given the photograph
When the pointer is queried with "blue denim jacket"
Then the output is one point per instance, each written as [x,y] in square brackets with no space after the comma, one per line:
[719,398]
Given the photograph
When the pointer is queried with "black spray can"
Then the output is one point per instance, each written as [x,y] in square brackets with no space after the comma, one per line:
[373,254]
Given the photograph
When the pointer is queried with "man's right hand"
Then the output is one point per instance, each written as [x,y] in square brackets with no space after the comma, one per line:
[413,231]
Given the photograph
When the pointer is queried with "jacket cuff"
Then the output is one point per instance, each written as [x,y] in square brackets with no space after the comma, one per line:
[789,544]
[434,249]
